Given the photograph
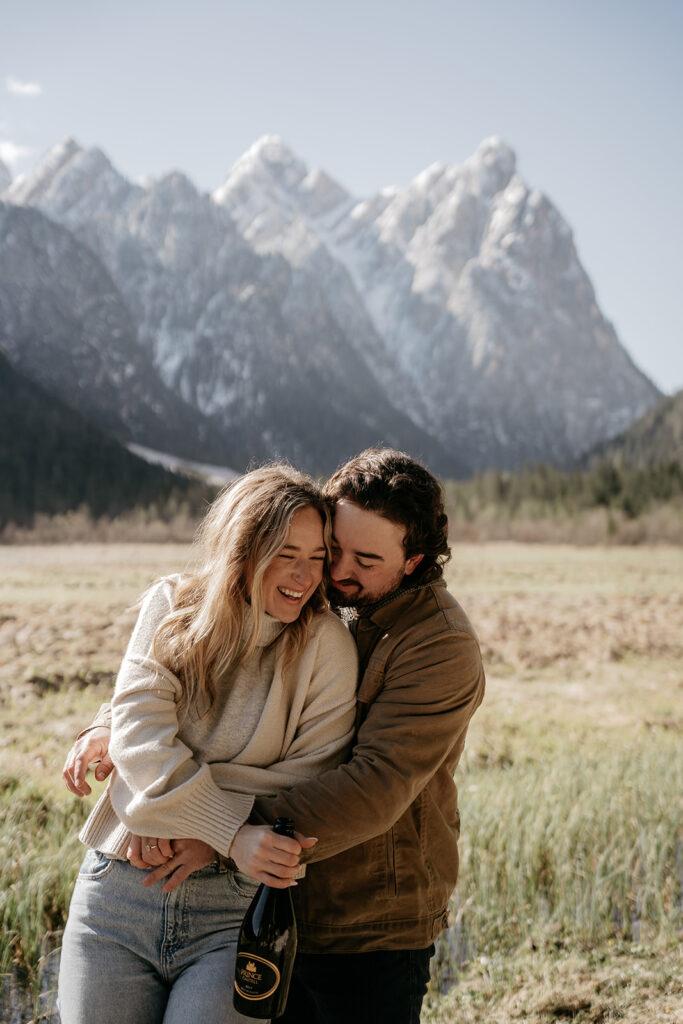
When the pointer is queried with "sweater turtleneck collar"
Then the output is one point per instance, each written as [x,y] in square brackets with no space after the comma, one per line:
[269,628]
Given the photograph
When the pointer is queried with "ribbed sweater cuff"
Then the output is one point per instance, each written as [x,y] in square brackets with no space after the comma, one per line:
[215,816]
[103,831]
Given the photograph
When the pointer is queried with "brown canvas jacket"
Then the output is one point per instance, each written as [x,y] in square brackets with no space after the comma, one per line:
[387,860]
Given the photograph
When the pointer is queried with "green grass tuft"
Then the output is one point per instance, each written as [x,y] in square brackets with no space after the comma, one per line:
[582,847]
[39,858]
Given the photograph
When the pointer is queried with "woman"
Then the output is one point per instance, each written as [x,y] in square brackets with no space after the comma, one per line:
[237,681]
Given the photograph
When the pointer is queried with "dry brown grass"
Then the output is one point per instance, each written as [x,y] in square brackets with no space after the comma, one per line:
[574,639]
[582,645]
[67,608]
[140,526]
[66,612]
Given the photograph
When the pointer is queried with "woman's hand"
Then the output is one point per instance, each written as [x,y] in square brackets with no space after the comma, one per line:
[147,852]
[267,856]
[91,746]
[187,855]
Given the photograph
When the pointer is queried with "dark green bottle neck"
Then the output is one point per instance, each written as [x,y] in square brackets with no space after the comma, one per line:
[284,827]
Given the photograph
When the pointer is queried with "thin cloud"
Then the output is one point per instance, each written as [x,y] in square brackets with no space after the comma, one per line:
[11,153]
[18,88]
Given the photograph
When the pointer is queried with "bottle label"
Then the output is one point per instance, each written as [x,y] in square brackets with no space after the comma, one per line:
[255,978]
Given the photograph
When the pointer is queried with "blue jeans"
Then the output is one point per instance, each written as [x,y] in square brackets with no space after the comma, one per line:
[133,954]
[382,987]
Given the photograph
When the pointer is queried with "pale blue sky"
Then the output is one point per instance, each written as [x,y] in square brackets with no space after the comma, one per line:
[589,94]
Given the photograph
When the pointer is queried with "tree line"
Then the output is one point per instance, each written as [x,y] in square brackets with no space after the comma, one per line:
[544,491]
[52,461]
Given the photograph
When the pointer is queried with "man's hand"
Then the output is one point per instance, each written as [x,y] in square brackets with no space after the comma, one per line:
[268,857]
[91,746]
[187,855]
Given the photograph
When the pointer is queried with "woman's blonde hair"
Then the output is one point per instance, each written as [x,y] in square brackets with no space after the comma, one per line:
[209,632]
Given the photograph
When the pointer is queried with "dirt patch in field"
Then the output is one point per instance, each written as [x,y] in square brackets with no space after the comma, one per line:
[67,611]
[522,631]
[637,986]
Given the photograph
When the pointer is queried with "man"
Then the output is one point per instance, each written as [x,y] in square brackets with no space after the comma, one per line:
[379,879]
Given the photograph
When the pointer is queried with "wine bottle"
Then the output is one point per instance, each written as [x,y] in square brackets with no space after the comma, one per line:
[266,948]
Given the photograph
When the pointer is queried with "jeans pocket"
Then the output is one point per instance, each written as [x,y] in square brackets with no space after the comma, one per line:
[95,865]
[243,885]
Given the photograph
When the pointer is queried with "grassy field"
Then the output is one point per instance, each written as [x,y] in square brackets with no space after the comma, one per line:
[569,906]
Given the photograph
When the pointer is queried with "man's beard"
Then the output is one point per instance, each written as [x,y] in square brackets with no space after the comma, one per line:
[361,598]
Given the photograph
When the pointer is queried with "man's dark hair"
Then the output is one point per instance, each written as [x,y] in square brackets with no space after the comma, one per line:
[399,488]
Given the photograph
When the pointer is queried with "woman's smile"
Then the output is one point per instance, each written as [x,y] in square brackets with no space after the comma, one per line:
[294,573]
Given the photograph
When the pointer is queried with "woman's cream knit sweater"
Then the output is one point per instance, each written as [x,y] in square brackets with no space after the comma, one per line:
[196,777]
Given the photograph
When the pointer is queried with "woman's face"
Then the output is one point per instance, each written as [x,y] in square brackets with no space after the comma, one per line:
[292,576]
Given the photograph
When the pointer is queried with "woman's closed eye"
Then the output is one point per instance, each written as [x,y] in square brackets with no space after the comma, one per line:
[313,558]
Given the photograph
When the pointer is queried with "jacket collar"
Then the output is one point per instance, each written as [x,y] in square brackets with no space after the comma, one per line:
[388,609]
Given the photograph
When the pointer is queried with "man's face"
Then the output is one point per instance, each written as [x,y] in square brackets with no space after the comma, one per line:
[368,557]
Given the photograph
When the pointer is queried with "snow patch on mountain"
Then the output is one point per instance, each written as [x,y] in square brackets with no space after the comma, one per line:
[5,177]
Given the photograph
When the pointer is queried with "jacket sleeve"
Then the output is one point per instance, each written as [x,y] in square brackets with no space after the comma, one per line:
[420,715]
[158,788]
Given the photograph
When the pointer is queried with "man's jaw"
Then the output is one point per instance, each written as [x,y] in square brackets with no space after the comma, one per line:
[344,593]
[351,596]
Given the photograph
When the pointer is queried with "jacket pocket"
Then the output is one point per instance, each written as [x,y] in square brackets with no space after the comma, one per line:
[388,855]
[371,683]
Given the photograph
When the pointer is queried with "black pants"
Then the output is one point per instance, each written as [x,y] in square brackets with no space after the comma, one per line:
[385,987]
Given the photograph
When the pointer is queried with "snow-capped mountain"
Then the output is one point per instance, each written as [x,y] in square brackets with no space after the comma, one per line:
[492,335]
[451,317]
[243,337]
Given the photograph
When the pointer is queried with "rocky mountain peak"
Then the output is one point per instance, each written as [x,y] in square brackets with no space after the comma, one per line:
[446,206]
[273,150]
[67,177]
[270,164]
[427,180]
[322,193]
[176,187]
[493,163]
[528,233]
[32,188]
[270,177]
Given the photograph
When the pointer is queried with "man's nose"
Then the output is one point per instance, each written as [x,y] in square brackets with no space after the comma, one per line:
[339,566]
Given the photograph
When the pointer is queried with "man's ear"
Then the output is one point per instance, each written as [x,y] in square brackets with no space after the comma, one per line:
[412,564]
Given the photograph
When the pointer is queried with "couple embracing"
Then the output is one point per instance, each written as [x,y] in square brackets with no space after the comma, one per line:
[243,697]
